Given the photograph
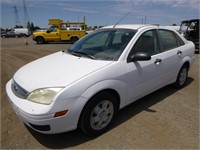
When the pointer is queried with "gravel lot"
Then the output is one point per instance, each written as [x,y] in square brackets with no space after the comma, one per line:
[166,119]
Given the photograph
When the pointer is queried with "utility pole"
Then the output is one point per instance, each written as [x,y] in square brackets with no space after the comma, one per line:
[26,18]
[17,21]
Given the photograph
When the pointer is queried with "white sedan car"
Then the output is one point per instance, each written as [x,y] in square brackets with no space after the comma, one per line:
[85,85]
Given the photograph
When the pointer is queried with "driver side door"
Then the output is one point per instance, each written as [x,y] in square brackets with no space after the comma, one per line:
[143,77]
[52,34]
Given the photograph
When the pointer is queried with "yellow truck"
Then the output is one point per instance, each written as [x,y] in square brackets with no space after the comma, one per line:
[61,31]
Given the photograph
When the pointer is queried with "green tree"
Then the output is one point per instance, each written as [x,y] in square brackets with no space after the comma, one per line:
[36,27]
[32,27]
[29,26]
[18,26]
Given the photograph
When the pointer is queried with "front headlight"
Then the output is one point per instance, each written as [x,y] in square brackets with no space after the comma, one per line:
[43,96]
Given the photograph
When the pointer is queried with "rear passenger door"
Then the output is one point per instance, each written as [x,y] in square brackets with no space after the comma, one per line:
[144,77]
[172,54]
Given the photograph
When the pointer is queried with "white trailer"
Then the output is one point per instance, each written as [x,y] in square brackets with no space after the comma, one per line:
[22,31]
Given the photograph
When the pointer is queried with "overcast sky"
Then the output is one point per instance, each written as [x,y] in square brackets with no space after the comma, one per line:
[101,12]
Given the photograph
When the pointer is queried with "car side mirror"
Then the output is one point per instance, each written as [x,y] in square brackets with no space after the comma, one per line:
[140,56]
[47,31]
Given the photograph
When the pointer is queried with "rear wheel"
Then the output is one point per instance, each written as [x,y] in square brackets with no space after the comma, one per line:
[182,77]
[98,115]
[40,40]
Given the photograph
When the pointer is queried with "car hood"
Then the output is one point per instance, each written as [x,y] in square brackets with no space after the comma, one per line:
[56,70]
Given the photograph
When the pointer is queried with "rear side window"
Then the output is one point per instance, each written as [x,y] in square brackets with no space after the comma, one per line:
[180,41]
[168,40]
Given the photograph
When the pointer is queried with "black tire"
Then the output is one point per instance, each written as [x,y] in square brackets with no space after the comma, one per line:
[99,114]
[40,40]
[73,39]
[182,77]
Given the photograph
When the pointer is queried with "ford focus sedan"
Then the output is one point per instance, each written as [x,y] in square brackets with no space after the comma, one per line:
[85,86]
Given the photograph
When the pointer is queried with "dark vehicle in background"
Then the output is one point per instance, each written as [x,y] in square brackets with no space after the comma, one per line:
[190,30]
[3,33]
[11,34]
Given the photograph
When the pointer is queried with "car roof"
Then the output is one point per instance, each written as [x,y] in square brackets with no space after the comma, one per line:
[190,20]
[139,27]
[130,26]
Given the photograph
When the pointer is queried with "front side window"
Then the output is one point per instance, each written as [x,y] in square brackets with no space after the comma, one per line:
[168,40]
[192,26]
[104,44]
[147,43]
[52,29]
[183,28]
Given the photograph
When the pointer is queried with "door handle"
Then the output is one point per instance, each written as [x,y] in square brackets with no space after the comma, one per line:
[158,61]
[179,53]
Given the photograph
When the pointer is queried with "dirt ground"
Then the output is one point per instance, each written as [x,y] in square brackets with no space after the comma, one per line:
[166,119]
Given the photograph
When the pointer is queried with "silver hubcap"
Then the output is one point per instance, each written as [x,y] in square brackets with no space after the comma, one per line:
[102,115]
[183,76]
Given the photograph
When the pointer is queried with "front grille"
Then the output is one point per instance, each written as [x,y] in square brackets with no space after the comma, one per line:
[19,91]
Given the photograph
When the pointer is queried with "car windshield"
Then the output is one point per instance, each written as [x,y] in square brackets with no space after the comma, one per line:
[104,44]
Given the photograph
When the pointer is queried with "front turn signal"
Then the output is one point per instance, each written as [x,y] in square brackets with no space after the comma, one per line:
[61,113]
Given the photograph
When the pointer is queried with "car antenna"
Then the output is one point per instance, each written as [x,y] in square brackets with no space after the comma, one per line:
[123,17]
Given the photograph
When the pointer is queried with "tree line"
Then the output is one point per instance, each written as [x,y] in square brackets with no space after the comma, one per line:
[30,27]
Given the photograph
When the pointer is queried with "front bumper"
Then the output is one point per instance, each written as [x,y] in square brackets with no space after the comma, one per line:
[41,117]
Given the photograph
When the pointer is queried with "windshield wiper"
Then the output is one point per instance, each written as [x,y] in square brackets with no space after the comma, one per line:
[79,53]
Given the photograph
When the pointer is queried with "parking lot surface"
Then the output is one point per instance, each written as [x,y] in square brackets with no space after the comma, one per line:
[165,119]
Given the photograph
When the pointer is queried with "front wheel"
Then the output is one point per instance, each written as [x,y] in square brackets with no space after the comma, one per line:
[182,77]
[40,40]
[99,114]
